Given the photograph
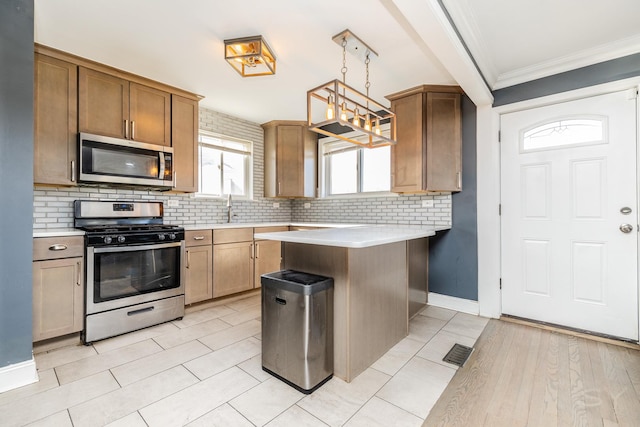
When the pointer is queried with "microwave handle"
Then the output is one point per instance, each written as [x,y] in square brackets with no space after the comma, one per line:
[161,171]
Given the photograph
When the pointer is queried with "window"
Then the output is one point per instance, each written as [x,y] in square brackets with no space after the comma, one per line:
[349,169]
[225,165]
[571,131]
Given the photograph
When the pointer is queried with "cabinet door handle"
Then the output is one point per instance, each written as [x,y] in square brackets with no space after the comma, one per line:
[251,252]
[257,250]
[188,259]
[79,272]
[73,171]
[133,129]
[279,188]
[58,247]
[459,179]
[126,128]
[198,237]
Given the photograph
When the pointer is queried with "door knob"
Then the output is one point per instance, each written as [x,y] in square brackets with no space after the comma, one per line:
[626,228]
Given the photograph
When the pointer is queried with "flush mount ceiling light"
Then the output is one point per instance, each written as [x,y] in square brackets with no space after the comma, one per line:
[337,110]
[250,56]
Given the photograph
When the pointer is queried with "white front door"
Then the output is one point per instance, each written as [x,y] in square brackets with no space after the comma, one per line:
[568,187]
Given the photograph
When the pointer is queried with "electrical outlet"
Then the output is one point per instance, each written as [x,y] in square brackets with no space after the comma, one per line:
[276,204]
[427,203]
[173,203]
[307,205]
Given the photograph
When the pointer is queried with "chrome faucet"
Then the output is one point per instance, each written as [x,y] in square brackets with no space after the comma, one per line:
[229,209]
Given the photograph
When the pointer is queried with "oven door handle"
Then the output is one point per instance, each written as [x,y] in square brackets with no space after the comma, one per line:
[132,248]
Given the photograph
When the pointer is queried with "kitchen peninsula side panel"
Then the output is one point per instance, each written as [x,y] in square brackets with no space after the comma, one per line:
[370,298]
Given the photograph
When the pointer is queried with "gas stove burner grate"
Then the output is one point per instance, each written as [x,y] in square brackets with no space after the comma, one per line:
[125,228]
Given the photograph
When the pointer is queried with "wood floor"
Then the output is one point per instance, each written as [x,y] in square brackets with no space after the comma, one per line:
[524,376]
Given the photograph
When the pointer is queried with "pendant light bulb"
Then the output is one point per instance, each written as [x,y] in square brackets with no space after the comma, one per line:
[367,123]
[356,118]
[331,112]
[343,111]
[377,129]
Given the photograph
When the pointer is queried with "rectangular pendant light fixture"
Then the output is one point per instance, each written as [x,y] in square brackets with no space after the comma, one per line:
[337,110]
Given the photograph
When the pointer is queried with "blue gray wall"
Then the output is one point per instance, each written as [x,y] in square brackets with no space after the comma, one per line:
[603,72]
[16,179]
[453,254]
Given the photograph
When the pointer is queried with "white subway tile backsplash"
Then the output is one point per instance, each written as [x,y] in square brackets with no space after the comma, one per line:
[53,207]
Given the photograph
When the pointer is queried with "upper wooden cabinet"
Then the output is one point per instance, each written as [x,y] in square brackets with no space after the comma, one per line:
[428,155]
[290,159]
[111,106]
[55,121]
[184,137]
[73,94]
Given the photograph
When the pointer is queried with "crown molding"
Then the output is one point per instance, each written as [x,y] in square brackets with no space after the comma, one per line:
[601,53]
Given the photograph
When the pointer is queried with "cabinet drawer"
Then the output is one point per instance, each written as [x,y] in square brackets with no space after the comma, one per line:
[230,235]
[275,229]
[197,237]
[58,247]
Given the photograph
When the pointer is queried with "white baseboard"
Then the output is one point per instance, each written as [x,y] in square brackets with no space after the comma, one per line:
[454,303]
[18,375]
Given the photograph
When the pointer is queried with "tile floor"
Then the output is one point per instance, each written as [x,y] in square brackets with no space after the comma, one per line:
[205,370]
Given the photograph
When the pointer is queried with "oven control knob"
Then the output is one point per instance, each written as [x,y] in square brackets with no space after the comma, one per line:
[161,236]
[107,240]
[121,239]
[172,236]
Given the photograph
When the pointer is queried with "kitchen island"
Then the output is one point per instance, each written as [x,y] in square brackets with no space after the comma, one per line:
[373,268]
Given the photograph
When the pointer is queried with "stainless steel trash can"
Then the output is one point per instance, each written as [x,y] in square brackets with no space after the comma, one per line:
[297,328]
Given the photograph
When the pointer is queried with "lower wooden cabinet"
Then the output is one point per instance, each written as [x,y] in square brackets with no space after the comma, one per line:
[233,268]
[226,261]
[268,254]
[268,258]
[58,287]
[198,266]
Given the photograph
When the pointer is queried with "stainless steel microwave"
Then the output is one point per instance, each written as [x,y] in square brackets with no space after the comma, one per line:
[106,160]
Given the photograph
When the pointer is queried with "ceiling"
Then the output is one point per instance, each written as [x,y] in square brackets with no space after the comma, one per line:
[181,43]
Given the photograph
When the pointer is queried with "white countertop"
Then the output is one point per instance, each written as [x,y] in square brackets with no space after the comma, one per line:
[352,237]
[60,232]
[75,232]
[264,224]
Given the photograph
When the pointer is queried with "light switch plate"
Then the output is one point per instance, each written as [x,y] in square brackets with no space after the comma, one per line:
[307,205]
[276,204]
[427,203]
[173,203]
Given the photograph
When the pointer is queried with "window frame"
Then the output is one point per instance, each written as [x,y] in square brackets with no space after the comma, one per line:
[324,170]
[248,163]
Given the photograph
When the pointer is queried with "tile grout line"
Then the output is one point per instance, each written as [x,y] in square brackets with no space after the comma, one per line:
[392,376]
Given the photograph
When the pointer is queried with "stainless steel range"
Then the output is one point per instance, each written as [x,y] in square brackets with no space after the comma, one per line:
[134,276]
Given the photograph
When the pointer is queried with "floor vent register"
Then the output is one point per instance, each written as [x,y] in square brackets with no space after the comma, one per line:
[458,354]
